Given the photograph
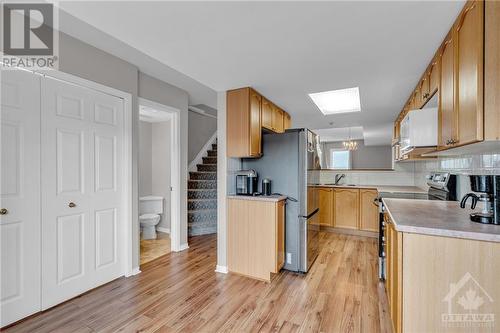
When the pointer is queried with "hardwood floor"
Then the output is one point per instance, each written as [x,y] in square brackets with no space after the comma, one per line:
[154,248]
[180,292]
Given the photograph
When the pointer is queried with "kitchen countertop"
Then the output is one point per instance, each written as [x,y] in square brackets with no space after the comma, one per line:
[438,218]
[381,188]
[271,198]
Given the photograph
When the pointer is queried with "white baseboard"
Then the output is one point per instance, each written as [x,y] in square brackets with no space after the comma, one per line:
[133,272]
[199,158]
[221,269]
[161,229]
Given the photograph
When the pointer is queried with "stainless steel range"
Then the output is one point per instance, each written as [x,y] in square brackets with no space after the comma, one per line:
[442,186]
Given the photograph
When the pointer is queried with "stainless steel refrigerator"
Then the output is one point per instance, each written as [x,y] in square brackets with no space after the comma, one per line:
[292,163]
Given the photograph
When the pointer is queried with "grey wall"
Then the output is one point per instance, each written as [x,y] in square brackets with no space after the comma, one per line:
[145,158]
[88,62]
[201,128]
[160,168]
[365,157]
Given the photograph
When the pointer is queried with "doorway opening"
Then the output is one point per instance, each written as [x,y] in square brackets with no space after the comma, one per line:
[157,175]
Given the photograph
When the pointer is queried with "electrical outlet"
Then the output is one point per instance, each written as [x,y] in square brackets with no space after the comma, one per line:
[288,258]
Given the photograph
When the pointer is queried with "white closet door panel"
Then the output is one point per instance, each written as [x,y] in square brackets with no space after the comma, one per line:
[81,135]
[106,200]
[20,195]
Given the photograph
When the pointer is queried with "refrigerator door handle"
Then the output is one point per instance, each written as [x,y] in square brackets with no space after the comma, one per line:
[310,215]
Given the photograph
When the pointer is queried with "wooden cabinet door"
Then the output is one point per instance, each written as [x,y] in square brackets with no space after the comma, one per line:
[277,119]
[434,75]
[369,215]
[447,116]
[267,114]
[424,90]
[417,102]
[469,74]
[325,206]
[346,208]
[255,124]
[287,121]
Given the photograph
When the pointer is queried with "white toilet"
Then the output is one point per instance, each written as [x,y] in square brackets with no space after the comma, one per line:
[150,210]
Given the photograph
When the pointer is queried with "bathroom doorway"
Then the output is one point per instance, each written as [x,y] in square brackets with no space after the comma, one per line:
[156,167]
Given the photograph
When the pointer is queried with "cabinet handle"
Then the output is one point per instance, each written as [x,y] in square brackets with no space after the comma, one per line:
[71,205]
[4,211]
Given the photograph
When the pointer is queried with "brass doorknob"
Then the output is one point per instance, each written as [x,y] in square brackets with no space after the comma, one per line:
[4,211]
[71,205]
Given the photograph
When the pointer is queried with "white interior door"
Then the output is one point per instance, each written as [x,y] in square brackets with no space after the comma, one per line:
[82,135]
[19,195]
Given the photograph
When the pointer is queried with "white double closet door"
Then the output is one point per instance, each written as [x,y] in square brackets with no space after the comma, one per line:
[63,192]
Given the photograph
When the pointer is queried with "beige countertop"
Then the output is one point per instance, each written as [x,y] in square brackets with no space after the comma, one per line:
[438,218]
[382,188]
[271,198]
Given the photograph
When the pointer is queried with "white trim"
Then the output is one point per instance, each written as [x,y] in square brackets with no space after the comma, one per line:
[127,159]
[221,269]
[175,171]
[182,247]
[201,112]
[133,272]
[161,229]
[199,158]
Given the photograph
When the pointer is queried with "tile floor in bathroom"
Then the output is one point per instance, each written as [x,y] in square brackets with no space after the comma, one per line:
[154,248]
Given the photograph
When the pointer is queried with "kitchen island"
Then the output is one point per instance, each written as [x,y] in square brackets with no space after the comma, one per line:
[442,269]
[256,235]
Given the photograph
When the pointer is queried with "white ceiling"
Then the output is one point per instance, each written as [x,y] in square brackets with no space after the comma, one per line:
[286,50]
[340,134]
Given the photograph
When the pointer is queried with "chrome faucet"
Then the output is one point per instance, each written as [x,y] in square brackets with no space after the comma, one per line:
[338,178]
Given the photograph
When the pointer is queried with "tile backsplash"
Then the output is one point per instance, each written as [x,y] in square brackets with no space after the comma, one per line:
[414,173]
[403,174]
[483,164]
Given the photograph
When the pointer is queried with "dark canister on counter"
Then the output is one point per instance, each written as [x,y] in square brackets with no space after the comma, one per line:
[266,186]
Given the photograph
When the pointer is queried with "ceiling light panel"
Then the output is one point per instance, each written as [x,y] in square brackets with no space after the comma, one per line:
[337,101]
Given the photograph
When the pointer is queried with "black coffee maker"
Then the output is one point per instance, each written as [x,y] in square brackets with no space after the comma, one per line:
[487,188]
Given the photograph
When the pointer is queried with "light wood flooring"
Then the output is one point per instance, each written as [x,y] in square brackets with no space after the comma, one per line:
[180,292]
[155,248]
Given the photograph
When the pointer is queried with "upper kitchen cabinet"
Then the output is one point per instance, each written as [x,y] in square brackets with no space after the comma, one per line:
[277,119]
[267,114]
[466,73]
[434,74]
[287,121]
[248,112]
[243,133]
[447,115]
[469,73]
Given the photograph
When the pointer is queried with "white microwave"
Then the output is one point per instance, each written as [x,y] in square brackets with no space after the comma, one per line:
[419,128]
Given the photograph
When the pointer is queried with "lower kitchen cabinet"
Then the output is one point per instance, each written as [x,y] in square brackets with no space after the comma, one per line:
[346,208]
[435,283]
[325,195]
[393,281]
[256,237]
[368,210]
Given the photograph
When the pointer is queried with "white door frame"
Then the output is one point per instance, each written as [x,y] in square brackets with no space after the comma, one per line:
[132,222]
[175,171]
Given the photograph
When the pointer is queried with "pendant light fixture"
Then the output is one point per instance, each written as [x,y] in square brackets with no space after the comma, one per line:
[350,144]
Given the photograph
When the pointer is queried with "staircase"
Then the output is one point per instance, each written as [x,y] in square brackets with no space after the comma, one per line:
[202,196]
